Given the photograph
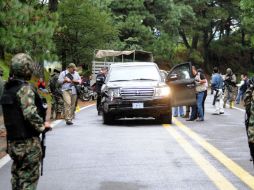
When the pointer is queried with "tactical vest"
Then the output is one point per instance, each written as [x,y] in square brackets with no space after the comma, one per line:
[18,128]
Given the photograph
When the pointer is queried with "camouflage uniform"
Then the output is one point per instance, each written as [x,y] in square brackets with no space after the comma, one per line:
[249,106]
[251,121]
[26,153]
[230,88]
[57,103]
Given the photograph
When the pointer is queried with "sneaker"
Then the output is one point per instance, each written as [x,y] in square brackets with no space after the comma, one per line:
[186,116]
[190,119]
[200,119]
[221,112]
[69,123]
[215,113]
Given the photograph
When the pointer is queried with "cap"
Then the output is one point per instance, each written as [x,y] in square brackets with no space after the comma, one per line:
[71,65]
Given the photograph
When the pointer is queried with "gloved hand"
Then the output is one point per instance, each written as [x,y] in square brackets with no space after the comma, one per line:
[47,127]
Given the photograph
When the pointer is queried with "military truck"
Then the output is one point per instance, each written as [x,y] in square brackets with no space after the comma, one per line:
[104,58]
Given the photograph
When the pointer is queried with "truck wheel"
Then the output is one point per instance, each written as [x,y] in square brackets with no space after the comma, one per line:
[108,118]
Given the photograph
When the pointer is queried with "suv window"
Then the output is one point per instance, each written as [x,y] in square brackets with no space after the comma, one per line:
[182,72]
[142,72]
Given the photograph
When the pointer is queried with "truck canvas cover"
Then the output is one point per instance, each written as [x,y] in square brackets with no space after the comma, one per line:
[104,58]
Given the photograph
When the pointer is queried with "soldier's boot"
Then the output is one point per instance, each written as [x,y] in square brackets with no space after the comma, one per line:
[62,116]
[231,105]
[187,115]
[58,115]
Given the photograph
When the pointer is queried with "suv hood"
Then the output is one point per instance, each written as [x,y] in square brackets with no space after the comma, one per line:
[136,83]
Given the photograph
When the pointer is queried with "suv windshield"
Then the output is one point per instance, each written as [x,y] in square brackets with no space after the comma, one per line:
[127,73]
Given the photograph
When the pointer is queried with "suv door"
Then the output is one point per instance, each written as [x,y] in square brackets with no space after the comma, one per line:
[182,85]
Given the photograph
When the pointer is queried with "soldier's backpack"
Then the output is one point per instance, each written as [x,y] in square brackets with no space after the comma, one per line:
[248,100]
[53,83]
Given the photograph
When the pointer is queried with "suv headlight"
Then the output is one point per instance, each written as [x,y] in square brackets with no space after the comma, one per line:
[114,92]
[162,91]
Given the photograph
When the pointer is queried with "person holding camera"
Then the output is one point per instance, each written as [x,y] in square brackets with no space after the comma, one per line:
[229,87]
[69,78]
[197,110]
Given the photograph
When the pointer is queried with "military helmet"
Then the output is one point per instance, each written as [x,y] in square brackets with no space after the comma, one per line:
[22,66]
[229,71]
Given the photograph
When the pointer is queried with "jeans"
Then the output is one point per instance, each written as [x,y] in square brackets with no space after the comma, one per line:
[177,110]
[198,109]
[239,96]
[203,102]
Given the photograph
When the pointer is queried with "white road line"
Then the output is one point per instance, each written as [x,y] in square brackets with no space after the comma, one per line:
[7,158]
[239,109]
[87,107]
[4,160]
[243,110]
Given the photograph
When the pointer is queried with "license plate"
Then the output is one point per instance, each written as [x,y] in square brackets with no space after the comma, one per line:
[137,105]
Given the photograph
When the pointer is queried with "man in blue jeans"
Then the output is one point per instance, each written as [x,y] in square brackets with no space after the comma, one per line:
[197,110]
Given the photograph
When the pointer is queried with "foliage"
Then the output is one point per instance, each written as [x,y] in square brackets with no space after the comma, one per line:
[247,7]
[207,32]
[129,18]
[5,69]
[27,26]
[83,28]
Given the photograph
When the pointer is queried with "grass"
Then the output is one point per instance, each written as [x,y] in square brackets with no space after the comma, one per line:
[5,69]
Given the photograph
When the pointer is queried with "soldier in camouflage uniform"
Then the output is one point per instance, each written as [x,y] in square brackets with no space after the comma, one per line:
[249,120]
[230,88]
[23,120]
[57,103]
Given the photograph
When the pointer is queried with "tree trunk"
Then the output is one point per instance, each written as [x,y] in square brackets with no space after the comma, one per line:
[195,39]
[206,48]
[63,57]
[53,5]
[185,40]
[243,37]
[227,26]
[2,55]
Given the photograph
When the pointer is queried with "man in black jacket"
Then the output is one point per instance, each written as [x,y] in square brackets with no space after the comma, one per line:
[100,78]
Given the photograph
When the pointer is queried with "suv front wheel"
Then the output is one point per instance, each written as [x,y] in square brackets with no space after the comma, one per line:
[108,118]
[165,118]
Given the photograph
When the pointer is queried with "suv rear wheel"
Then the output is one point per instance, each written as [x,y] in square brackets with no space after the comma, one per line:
[108,118]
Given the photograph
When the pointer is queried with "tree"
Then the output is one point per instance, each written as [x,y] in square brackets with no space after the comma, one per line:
[83,28]
[247,7]
[129,18]
[26,27]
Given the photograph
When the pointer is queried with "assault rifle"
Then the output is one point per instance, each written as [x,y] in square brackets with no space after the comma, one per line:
[43,135]
[215,96]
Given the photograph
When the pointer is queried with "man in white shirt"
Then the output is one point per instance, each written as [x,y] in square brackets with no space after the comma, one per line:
[69,78]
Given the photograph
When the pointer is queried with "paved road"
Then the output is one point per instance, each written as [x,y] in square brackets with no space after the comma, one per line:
[142,154]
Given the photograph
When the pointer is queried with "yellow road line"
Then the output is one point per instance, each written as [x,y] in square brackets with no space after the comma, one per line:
[215,176]
[236,169]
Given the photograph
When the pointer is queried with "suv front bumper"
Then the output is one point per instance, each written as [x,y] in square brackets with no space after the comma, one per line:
[125,108]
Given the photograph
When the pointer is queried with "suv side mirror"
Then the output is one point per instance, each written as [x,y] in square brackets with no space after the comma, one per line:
[172,77]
